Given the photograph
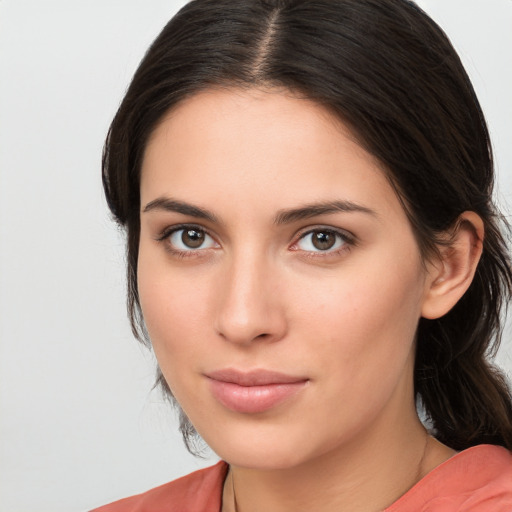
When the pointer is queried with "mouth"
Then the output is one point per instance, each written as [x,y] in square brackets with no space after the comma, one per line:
[254,391]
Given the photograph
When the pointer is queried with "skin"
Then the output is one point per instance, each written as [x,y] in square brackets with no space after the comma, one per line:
[258,294]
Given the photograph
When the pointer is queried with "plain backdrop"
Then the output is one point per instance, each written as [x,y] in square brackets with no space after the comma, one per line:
[79,425]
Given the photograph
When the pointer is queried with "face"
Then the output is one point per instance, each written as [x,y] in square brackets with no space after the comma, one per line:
[279,278]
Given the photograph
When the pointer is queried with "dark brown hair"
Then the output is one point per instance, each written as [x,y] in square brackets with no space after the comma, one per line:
[390,73]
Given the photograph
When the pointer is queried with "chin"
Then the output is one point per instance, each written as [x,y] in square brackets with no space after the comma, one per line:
[268,448]
[262,459]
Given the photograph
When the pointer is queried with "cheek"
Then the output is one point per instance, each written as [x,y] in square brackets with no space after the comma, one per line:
[174,307]
[175,317]
[364,323]
[359,340]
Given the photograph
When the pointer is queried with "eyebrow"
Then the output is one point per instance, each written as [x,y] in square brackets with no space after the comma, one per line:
[283,216]
[172,205]
[312,210]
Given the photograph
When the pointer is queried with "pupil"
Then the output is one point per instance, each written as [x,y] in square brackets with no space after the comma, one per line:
[323,240]
[192,238]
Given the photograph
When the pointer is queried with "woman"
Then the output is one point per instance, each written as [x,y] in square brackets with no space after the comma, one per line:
[314,255]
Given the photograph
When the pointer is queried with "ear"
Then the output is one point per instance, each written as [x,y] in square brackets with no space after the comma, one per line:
[451,274]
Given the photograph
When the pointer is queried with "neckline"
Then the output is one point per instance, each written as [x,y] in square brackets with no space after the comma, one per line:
[475,453]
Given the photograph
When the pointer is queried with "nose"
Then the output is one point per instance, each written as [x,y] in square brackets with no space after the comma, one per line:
[250,308]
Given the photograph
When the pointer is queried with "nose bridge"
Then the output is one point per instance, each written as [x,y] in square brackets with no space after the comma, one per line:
[249,308]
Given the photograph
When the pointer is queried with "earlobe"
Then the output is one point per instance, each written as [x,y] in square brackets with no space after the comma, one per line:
[451,275]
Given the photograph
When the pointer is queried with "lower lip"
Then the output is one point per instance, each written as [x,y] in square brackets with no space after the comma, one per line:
[253,399]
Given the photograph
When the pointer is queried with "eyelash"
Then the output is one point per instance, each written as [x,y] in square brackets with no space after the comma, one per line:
[348,240]
[165,235]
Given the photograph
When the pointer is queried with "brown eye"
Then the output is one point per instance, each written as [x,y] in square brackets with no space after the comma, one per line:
[321,240]
[192,238]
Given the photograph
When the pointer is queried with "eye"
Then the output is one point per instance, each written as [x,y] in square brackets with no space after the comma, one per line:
[321,240]
[190,239]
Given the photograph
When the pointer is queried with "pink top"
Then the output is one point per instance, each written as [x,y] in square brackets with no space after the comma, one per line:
[478,479]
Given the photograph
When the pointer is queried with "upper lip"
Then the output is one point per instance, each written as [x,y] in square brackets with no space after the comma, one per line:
[258,377]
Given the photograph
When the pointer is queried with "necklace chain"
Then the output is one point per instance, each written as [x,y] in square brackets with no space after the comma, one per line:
[235,505]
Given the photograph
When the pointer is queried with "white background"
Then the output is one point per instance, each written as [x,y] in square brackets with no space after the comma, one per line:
[78,424]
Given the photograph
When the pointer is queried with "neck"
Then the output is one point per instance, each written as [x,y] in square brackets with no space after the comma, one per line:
[369,475]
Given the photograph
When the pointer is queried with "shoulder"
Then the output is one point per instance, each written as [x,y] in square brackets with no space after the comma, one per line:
[200,491]
[478,479]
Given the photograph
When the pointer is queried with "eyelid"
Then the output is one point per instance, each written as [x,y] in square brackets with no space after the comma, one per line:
[169,230]
[166,233]
[347,237]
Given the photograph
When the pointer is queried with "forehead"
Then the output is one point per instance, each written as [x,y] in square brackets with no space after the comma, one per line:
[258,113]
[223,143]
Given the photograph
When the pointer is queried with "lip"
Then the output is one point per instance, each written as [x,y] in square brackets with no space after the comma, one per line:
[253,391]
